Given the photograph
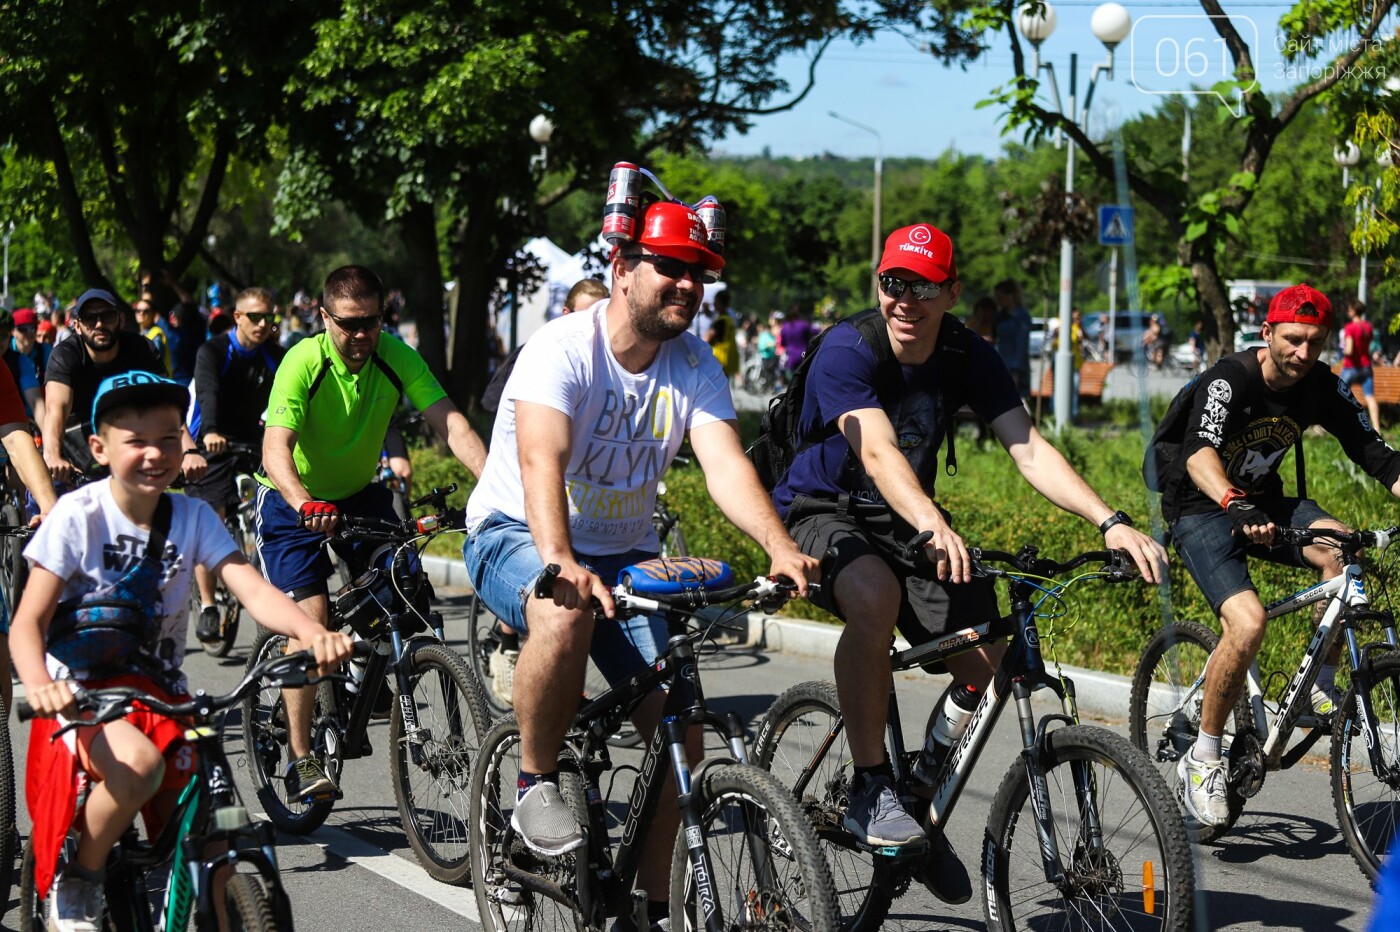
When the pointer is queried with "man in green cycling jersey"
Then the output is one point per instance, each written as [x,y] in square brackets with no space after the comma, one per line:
[331,402]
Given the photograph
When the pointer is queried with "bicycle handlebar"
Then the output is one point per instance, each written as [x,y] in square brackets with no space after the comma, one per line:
[1118,566]
[114,702]
[1351,541]
[771,591]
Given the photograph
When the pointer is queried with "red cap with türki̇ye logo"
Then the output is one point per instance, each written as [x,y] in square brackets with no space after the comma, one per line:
[924,250]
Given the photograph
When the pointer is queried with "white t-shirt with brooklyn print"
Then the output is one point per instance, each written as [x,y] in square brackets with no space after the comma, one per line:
[626,427]
[90,542]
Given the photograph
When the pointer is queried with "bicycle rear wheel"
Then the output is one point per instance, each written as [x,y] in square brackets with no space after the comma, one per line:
[789,746]
[431,769]
[265,743]
[1164,711]
[1121,841]
[502,902]
[14,569]
[1367,802]
[9,835]
[483,640]
[769,872]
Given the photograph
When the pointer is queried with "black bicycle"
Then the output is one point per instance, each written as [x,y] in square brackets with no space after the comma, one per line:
[12,540]
[1083,831]
[241,521]
[438,711]
[744,856]
[157,884]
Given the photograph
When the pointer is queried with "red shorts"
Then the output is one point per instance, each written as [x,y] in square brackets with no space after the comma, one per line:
[54,779]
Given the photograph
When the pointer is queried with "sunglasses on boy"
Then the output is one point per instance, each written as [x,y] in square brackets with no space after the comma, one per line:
[923,291]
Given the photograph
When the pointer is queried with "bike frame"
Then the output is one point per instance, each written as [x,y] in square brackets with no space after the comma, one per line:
[684,707]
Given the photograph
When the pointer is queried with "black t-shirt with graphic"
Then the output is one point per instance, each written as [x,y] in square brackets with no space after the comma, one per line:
[1252,427]
[72,365]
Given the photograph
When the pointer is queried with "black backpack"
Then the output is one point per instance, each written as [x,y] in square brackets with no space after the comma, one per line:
[1165,447]
[777,443]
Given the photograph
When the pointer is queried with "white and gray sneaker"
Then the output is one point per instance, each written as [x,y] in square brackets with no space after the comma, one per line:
[875,815]
[1203,789]
[1325,702]
[544,821]
[75,904]
[501,666]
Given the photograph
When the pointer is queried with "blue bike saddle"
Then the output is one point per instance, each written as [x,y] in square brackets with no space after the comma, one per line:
[676,575]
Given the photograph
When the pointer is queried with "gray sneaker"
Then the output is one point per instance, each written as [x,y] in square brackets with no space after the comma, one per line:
[544,821]
[1325,702]
[75,905]
[875,815]
[1203,789]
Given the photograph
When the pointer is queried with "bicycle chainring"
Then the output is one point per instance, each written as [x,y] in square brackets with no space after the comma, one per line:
[1246,764]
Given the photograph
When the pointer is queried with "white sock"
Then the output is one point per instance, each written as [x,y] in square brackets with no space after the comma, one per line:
[203,606]
[1326,677]
[1207,748]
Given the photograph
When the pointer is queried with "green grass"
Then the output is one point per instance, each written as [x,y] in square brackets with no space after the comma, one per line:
[1106,626]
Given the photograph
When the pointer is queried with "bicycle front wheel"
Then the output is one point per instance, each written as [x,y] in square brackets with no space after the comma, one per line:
[14,569]
[803,741]
[247,906]
[432,766]
[483,640]
[768,870]
[1367,802]
[499,858]
[265,743]
[1164,710]
[1121,841]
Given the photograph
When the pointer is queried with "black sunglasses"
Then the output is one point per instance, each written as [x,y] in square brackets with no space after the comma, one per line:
[366,324]
[262,317]
[671,267]
[923,291]
[107,318]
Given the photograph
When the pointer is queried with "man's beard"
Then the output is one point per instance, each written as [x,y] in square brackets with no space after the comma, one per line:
[89,342]
[651,323]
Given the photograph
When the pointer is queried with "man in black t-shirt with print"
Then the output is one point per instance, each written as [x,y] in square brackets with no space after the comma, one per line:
[77,367]
[1223,498]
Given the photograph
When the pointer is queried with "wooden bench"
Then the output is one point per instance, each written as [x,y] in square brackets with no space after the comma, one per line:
[1387,384]
[1092,377]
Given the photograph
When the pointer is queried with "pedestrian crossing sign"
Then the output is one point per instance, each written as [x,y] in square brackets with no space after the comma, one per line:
[1115,225]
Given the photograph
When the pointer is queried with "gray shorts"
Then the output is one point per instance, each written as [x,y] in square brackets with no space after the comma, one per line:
[1216,558]
[928,604]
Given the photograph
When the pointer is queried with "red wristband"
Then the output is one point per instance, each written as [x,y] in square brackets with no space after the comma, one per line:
[1231,494]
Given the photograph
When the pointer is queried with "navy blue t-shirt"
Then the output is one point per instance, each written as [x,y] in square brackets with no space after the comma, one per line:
[842,379]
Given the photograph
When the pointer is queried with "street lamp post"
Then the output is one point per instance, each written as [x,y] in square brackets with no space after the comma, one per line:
[879,183]
[541,131]
[1348,156]
[1111,24]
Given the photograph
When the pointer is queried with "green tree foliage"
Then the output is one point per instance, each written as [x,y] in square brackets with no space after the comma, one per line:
[133,110]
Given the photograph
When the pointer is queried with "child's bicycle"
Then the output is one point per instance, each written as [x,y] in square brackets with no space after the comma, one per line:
[157,884]
[1165,709]
[744,858]
[241,522]
[436,712]
[1082,832]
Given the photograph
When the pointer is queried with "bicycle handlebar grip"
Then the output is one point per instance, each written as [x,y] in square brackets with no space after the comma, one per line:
[544,586]
[916,544]
[23,710]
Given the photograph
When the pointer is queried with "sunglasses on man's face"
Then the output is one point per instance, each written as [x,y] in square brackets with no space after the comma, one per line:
[107,318]
[27,328]
[258,318]
[671,267]
[923,291]
[366,324]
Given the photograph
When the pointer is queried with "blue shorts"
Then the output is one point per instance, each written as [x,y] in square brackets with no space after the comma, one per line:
[503,565]
[294,558]
[1363,374]
[1216,557]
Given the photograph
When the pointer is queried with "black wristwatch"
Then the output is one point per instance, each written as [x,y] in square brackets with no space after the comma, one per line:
[190,451]
[1114,520]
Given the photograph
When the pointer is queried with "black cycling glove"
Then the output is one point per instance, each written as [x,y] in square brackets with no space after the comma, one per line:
[1244,515]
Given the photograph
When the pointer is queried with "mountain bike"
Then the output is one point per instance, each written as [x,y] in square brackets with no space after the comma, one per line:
[241,521]
[13,537]
[157,884]
[1082,831]
[1165,708]
[744,857]
[437,714]
[484,632]
[14,569]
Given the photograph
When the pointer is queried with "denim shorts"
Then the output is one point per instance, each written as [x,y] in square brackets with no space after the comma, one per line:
[503,565]
[1363,374]
[1216,558]
[295,559]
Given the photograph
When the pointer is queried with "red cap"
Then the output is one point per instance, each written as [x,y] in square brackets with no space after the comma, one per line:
[25,316]
[1301,304]
[924,250]
[45,326]
[675,230]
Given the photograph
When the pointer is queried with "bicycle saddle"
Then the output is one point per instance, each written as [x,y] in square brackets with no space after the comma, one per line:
[676,575]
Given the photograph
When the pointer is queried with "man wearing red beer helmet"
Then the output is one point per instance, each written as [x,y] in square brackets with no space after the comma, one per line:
[595,410]
[861,485]
[1224,499]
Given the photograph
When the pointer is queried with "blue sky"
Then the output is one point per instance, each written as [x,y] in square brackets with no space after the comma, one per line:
[922,108]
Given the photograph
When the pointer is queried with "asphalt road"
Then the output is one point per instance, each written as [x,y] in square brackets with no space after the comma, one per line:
[1284,866]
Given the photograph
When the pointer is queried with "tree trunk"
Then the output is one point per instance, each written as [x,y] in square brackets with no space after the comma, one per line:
[423,296]
[476,280]
[1212,297]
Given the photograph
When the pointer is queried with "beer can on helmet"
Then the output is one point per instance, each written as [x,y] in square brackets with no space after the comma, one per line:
[711,213]
[620,206]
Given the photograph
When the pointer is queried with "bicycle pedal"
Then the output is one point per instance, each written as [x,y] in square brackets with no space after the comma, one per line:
[895,852]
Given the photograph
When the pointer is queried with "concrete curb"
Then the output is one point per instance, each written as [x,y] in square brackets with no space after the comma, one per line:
[1103,695]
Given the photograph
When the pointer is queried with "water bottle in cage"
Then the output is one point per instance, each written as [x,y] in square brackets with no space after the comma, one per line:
[947,728]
